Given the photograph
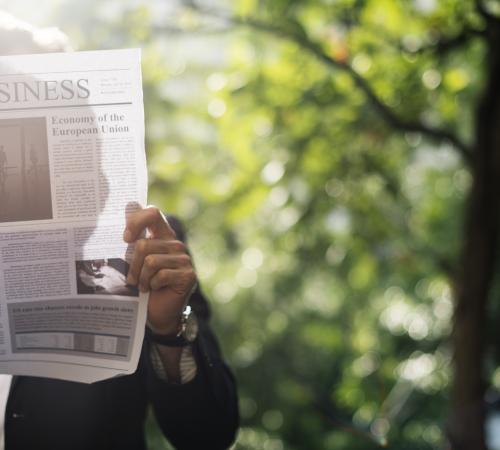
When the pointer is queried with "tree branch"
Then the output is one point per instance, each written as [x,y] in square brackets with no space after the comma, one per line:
[390,116]
[481,9]
[448,43]
[441,46]
[401,124]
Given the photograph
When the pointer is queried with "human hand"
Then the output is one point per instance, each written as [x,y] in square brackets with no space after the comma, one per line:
[161,265]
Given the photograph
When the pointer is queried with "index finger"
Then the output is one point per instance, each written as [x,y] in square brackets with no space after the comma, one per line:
[150,218]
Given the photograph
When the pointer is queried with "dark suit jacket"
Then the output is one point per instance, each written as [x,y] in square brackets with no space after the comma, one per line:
[47,414]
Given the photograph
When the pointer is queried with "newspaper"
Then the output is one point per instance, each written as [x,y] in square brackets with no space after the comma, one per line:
[72,165]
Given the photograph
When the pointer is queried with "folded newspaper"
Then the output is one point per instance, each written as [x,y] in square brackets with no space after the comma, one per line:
[72,165]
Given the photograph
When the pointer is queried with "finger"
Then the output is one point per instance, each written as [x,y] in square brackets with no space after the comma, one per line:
[144,247]
[150,218]
[181,281]
[155,263]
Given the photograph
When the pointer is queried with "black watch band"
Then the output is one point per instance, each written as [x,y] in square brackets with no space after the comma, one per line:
[170,340]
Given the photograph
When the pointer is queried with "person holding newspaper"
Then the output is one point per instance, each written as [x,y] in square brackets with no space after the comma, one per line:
[181,372]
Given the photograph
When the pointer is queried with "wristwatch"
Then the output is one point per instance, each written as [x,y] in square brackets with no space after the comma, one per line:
[188,331]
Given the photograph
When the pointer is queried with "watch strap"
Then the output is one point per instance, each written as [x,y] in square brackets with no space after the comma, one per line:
[169,340]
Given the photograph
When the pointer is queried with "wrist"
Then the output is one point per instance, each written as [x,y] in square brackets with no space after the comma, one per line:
[170,328]
[184,334]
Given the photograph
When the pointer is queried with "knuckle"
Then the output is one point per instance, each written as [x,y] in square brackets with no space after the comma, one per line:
[150,261]
[185,259]
[155,212]
[141,246]
[163,276]
[190,276]
[156,284]
[178,246]
[164,246]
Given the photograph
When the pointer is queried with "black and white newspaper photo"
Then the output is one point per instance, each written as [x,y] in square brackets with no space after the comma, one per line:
[72,166]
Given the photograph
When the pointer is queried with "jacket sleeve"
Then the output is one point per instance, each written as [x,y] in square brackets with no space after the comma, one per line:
[202,413]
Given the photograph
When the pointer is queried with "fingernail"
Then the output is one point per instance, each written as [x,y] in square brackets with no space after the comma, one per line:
[127,236]
[131,280]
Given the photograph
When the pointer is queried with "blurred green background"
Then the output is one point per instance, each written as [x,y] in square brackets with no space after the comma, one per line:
[324,227]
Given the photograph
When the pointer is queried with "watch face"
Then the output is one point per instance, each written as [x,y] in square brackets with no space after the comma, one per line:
[191,330]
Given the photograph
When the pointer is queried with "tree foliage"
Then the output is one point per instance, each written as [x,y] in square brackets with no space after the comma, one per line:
[319,152]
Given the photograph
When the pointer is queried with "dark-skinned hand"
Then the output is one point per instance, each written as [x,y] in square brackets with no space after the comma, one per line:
[160,265]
